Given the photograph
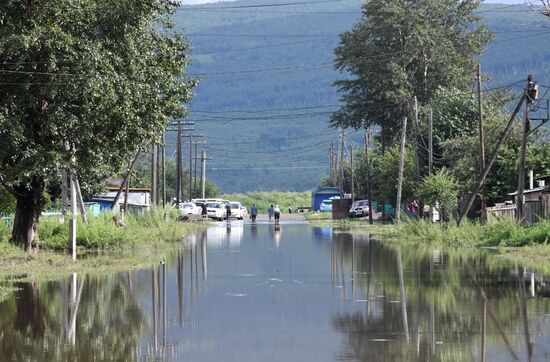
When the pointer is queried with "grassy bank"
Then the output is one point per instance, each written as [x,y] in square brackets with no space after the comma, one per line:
[263,199]
[102,247]
[496,234]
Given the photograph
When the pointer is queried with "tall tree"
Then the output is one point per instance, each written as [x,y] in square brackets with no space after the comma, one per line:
[401,49]
[96,77]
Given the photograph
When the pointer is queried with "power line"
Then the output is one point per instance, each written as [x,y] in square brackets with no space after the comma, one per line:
[266,5]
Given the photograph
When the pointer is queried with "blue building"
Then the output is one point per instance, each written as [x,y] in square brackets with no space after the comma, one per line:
[323,193]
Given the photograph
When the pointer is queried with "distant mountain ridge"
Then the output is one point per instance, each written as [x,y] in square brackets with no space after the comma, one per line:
[266,94]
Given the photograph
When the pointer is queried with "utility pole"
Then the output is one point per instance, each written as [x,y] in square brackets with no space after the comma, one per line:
[530,96]
[481,146]
[367,159]
[332,163]
[400,174]
[341,159]
[196,158]
[203,173]
[154,173]
[163,165]
[417,154]
[190,166]
[352,173]
[492,159]
[64,195]
[178,165]
[430,141]
[179,155]
[72,225]
[190,135]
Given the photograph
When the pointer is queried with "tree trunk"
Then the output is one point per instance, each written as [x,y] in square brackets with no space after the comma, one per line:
[27,212]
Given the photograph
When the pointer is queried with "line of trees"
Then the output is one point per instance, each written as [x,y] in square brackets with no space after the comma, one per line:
[403,51]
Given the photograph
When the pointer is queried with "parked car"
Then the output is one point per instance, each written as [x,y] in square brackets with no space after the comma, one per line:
[326,205]
[215,210]
[189,208]
[359,208]
[238,210]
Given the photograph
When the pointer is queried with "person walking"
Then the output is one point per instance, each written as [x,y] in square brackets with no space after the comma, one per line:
[270,213]
[277,214]
[289,209]
[253,212]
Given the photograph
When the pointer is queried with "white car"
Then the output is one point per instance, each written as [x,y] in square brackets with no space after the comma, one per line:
[238,210]
[189,208]
[215,210]
[359,208]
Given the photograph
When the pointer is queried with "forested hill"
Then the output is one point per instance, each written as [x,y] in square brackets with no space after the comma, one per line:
[266,74]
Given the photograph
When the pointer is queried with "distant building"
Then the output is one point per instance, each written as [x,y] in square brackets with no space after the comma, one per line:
[139,199]
[323,193]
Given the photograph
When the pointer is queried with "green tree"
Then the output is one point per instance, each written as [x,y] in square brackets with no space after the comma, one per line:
[401,49]
[99,76]
[442,188]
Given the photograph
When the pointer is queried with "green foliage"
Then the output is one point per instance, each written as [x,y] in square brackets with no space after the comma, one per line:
[7,201]
[385,169]
[440,187]
[263,199]
[155,226]
[395,52]
[101,76]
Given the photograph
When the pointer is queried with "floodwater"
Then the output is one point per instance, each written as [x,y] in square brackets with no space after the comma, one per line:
[253,293]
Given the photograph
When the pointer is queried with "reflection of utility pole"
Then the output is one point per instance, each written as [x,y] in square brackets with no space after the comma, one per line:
[402,295]
[523,313]
[154,294]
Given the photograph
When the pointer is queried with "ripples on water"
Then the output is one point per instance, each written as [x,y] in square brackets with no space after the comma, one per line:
[253,293]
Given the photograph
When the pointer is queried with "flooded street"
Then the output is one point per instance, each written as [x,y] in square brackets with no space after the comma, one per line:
[300,293]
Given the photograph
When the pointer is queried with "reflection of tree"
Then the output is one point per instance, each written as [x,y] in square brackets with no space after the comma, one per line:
[443,303]
[108,323]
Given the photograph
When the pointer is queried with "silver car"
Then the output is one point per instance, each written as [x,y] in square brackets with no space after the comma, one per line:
[359,208]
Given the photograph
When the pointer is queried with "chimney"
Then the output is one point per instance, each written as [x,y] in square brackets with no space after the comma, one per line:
[530,179]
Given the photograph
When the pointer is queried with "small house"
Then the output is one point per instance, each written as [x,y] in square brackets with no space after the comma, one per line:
[139,199]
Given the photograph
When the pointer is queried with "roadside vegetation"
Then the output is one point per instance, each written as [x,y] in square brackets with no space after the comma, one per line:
[263,199]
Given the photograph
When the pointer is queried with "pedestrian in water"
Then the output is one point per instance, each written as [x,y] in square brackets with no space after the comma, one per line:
[253,212]
[270,212]
[277,213]
[289,209]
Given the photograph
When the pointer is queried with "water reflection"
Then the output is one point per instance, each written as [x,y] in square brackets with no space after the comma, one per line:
[294,294]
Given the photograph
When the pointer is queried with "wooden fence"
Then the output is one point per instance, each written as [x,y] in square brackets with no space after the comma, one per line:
[534,210]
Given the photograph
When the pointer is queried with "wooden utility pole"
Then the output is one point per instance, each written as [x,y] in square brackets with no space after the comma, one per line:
[154,173]
[400,174]
[72,225]
[523,154]
[341,159]
[190,166]
[492,159]
[195,170]
[163,170]
[64,195]
[417,136]
[80,199]
[178,165]
[367,159]
[430,141]
[203,173]
[481,146]
[352,173]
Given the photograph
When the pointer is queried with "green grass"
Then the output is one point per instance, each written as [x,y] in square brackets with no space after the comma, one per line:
[506,233]
[263,199]
[157,225]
